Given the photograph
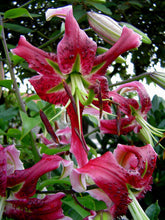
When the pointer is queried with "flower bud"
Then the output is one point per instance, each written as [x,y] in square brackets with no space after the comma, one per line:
[158,78]
[105,27]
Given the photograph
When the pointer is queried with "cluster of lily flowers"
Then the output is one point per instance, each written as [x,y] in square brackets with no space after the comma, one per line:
[75,78]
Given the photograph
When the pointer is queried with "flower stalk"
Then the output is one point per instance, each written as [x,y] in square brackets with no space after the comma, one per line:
[2,206]
[135,209]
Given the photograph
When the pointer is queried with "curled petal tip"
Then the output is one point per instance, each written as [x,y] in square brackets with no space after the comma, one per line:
[57,12]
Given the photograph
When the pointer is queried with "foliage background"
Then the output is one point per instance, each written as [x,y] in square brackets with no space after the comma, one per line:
[147,15]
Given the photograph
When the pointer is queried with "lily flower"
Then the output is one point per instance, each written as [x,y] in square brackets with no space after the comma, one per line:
[9,162]
[74,77]
[33,208]
[20,184]
[132,114]
[27,179]
[127,170]
[147,131]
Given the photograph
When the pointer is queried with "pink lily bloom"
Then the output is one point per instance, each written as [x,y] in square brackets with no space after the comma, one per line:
[127,122]
[9,162]
[75,74]
[13,176]
[129,167]
[140,163]
[33,208]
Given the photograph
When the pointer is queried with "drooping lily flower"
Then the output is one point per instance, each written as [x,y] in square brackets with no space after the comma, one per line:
[110,177]
[9,162]
[75,74]
[133,114]
[129,167]
[21,184]
[33,208]
[28,178]
[140,163]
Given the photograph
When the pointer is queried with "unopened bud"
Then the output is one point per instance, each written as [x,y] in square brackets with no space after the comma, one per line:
[107,28]
[158,78]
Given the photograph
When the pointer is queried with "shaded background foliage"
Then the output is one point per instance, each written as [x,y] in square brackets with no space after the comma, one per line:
[147,15]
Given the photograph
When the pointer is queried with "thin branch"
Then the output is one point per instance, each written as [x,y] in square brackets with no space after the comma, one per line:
[67,191]
[141,76]
[19,99]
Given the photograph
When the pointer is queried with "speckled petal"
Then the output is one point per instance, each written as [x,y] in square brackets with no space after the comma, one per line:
[35,57]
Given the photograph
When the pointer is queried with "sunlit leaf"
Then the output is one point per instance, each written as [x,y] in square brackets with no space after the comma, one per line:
[28,123]
[14,133]
[16,13]
[6,83]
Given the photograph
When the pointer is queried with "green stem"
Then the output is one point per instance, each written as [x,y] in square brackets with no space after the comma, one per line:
[27,3]
[141,76]
[135,208]
[18,96]
[51,40]
[49,182]
[2,206]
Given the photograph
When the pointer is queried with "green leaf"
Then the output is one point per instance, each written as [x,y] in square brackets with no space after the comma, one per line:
[28,123]
[153,211]
[32,106]
[73,209]
[16,13]
[6,83]
[136,3]
[87,201]
[17,28]
[16,59]
[52,151]
[79,12]
[2,132]
[8,114]
[14,133]
[101,7]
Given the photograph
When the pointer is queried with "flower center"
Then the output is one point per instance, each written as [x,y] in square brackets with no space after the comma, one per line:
[79,87]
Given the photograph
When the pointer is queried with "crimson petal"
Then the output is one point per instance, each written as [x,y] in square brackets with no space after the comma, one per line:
[111,178]
[75,43]
[110,126]
[47,208]
[139,162]
[144,97]
[35,57]
[30,176]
